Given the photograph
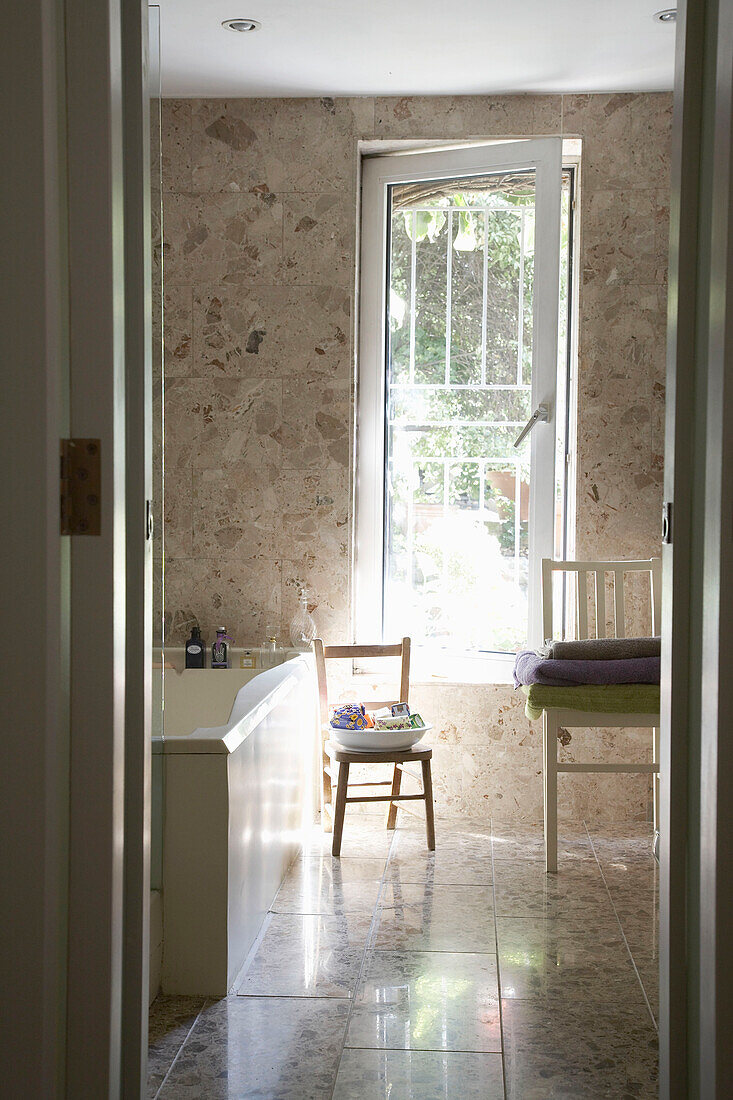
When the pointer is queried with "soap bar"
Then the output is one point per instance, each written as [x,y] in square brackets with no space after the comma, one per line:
[416,721]
[389,723]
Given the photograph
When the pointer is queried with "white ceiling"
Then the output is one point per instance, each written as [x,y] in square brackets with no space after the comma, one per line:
[410,47]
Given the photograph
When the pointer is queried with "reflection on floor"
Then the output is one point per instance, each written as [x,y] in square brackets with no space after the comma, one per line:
[391,973]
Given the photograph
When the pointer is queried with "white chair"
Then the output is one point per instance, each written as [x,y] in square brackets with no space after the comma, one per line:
[554,718]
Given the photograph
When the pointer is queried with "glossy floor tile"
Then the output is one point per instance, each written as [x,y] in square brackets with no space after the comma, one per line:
[317,887]
[393,973]
[171,1020]
[261,1047]
[424,918]
[583,1051]
[545,960]
[308,956]
[427,1000]
[418,1075]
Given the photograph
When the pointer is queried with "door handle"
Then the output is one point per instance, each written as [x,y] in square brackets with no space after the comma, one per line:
[541,413]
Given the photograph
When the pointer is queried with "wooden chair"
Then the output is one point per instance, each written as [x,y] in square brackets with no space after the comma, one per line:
[554,718]
[335,788]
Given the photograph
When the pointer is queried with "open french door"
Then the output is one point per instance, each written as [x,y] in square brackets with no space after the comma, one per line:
[457,405]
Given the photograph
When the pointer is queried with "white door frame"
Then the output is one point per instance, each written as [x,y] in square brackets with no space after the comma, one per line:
[378,173]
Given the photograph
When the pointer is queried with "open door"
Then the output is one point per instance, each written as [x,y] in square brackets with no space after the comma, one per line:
[458,359]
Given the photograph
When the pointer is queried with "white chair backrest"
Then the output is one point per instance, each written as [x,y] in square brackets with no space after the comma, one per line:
[599,569]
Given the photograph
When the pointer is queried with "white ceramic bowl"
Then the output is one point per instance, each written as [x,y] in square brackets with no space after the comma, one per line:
[371,740]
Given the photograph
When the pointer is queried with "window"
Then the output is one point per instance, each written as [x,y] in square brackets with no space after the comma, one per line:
[465,273]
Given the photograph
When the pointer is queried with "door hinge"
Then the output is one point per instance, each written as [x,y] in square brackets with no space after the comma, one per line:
[81,486]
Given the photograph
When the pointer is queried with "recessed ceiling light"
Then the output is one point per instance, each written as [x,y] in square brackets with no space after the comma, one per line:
[241,25]
[668,15]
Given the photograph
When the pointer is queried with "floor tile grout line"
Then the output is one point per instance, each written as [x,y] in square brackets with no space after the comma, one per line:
[357,982]
[623,933]
[178,1052]
[498,962]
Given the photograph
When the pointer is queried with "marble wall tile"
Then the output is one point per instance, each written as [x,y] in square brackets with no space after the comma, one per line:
[620,237]
[241,594]
[316,423]
[223,238]
[178,330]
[284,332]
[236,511]
[176,144]
[212,423]
[319,235]
[466,116]
[276,145]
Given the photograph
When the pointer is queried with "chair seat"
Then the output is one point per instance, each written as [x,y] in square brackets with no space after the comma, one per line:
[396,756]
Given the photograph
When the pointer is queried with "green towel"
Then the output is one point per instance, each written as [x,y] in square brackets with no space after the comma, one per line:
[603,698]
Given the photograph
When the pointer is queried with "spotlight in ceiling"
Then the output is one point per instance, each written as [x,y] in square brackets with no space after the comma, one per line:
[241,25]
[667,15]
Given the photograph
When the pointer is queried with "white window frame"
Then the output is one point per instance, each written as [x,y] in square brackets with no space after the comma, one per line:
[544,155]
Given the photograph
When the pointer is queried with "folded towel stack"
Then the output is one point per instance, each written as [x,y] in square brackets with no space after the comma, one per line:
[592,661]
[602,649]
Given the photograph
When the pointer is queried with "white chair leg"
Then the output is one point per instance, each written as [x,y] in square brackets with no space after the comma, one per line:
[656,777]
[549,771]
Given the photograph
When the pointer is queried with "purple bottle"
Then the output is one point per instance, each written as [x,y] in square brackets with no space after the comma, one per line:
[220,649]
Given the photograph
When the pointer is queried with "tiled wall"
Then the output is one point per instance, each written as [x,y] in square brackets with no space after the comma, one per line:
[259,255]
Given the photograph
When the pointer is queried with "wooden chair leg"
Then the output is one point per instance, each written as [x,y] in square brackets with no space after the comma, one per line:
[328,795]
[340,809]
[396,784]
[549,771]
[427,782]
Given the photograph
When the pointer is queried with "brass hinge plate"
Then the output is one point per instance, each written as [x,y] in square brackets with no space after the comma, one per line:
[81,486]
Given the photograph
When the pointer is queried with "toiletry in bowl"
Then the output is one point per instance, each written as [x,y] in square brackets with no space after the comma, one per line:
[195,651]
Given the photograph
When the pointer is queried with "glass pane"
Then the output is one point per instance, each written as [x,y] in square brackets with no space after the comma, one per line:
[467,297]
[400,299]
[457,551]
[430,233]
[502,295]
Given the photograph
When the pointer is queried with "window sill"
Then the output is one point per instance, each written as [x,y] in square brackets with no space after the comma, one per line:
[461,669]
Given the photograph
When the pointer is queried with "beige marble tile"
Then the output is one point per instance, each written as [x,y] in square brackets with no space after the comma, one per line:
[223,238]
[178,331]
[243,595]
[579,1050]
[211,423]
[620,237]
[466,116]
[175,133]
[178,513]
[316,423]
[319,239]
[418,1075]
[270,332]
[327,585]
[274,145]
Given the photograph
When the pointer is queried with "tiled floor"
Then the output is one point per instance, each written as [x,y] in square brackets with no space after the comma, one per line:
[392,974]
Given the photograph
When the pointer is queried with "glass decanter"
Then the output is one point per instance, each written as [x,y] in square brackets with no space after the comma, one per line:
[302,627]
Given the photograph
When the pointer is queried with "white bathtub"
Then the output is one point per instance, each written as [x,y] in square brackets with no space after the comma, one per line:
[237,799]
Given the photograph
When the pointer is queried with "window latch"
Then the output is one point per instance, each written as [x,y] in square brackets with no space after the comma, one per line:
[541,413]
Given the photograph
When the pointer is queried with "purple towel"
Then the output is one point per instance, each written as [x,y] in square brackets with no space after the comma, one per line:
[529,668]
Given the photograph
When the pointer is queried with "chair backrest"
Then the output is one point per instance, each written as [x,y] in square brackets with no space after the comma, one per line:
[324,653]
[599,569]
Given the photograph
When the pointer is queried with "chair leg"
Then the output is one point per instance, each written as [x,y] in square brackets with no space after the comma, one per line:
[656,777]
[340,809]
[427,782]
[328,795]
[549,769]
[396,784]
